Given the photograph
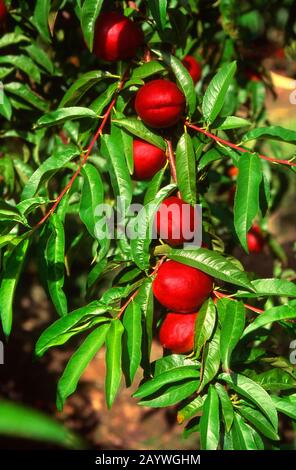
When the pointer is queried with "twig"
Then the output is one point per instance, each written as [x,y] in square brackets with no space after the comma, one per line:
[237,147]
[219,295]
[172,163]
[83,162]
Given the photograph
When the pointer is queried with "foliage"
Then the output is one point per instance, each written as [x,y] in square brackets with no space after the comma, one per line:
[53,176]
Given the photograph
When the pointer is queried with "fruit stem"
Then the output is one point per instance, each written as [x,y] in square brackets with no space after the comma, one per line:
[171,160]
[87,153]
[237,147]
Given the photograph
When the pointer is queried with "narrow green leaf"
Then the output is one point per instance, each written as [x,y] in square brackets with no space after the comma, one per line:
[254,392]
[210,421]
[186,169]
[158,9]
[25,93]
[211,360]
[78,363]
[190,410]
[272,132]
[259,421]
[41,14]
[84,83]
[113,360]
[9,280]
[231,330]
[132,340]
[47,169]
[282,312]
[166,378]
[61,115]
[137,128]
[89,13]
[147,69]
[204,325]
[285,405]
[55,254]
[246,202]
[226,405]
[242,435]
[212,263]
[91,196]
[171,395]
[216,92]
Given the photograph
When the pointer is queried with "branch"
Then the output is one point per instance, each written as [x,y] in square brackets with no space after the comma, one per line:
[84,160]
[236,147]
[219,295]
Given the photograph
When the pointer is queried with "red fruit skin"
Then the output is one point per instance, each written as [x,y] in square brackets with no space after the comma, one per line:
[148,160]
[193,67]
[160,103]
[180,287]
[116,37]
[177,332]
[169,222]
[3,11]
[255,240]
[253,76]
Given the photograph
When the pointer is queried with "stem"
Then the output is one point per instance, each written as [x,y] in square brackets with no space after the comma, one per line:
[172,163]
[83,162]
[219,295]
[236,147]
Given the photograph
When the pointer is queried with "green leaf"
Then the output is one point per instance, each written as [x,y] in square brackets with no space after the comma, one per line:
[99,104]
[278,287]
[11,213]
[132,340]
[147,69]
[61,115]
[211,360]
[13,38]
[209,157]
[84,83]
[204,325]
[47,169]
[78,363]
[226,405]
[246,202]
[119,174]
[231,330]
[242,435]
[166,378]
[273,132]
[40,57]
[113,360]
[186,169]
[54,255]
[154,186]
[210,421]
[5,107]
[275,379]
[171,395]
[254,392]
[285,405]
[184,80]
[29,205]
[146,301]
[142,226]
[25,93]
[10,275]
[190,410]
[282,312]
[65,327]
[40,18]
[89,13]
[215,93]
[158,10]
[173,361]
[91,196]
[19,421]
[23,63]
[230,122]
[137,128]
[212,263]
[259,421]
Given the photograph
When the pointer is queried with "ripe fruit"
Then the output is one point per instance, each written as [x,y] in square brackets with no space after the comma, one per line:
[176,221]
[160,103]
[255,240]
[148,159]
[116,37]
[3,11]
[193,67]
[177,332]
[180,287]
